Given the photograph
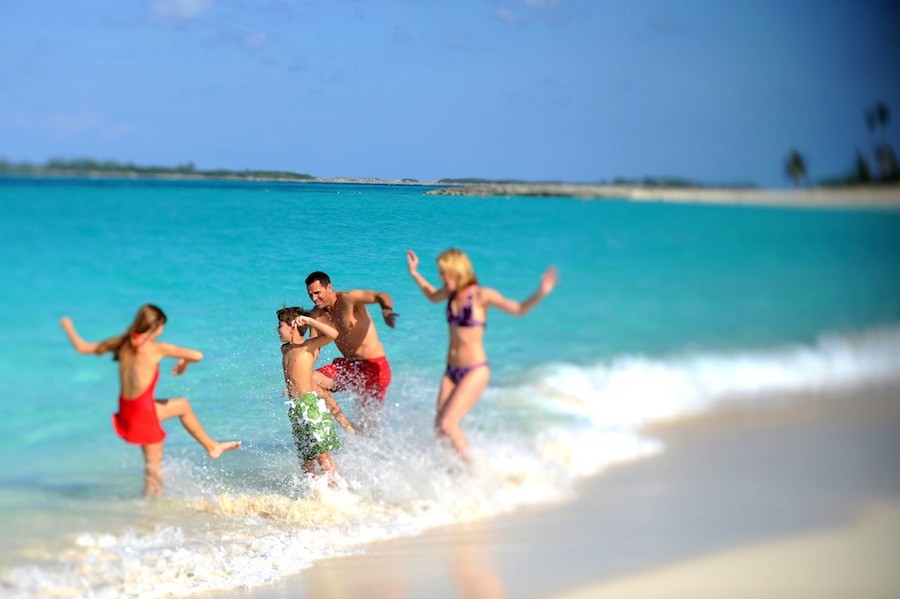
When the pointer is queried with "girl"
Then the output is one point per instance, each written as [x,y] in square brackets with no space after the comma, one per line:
[312,417]
[138,353]
[467,371]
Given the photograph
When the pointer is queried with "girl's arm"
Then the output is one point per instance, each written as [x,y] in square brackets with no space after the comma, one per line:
[548,282]
[431,292]
[184,355]
[80,345]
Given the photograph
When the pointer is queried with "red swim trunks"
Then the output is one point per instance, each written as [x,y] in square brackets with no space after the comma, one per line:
[368,378]
[137,421]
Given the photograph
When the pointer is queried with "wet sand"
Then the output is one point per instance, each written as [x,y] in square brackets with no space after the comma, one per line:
[797,497]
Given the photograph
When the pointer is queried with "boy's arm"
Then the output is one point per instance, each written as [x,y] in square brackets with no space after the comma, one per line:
[325,333]
[321,327]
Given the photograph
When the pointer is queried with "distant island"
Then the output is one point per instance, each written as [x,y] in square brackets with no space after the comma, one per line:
[649,189]
[87,167]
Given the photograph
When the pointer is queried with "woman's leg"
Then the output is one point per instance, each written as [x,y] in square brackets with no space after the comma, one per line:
[181,407]
[153,453]
[457,403]
[444,392]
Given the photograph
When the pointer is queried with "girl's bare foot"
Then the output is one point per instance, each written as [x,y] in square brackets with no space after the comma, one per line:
[219,448]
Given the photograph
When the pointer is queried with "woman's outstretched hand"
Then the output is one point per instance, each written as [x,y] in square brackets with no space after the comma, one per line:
[549,280]
[412,262]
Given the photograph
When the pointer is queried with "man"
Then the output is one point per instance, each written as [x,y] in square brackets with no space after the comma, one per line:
[363,369]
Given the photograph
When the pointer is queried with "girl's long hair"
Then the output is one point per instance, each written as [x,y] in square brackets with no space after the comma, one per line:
[455,263]
[147,319]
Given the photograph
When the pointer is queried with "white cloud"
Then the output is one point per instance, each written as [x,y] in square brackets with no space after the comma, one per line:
[256,41]
[540,4]
[175,12]
[63,124]
[507,15]
[456,40]
[400,34]
[514,11]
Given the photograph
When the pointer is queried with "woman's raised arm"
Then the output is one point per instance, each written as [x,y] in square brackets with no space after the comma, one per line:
[548,281]
[430,291]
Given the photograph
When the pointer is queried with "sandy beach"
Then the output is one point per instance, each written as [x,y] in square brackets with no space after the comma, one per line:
[872,196]
[796,498]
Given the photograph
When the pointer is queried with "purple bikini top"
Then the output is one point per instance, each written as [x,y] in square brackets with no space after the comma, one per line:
[464,318]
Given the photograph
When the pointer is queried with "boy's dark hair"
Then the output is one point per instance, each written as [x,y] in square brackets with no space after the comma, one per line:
[289,315]
[319,276]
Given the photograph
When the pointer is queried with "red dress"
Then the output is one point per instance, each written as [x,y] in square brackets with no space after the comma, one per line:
[136,421]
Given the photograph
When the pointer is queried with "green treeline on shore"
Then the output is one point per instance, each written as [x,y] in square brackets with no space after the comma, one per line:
[88,166]
[113,168]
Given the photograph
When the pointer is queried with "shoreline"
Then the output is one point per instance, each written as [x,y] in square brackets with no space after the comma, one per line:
[784,499]
[874,196]
[855,196]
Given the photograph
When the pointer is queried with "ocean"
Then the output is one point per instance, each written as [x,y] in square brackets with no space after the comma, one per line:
[662,311]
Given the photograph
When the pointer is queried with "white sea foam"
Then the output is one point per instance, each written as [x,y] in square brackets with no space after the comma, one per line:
[531,441]
[630,391]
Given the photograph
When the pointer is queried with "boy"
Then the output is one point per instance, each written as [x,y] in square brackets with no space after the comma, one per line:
[312,417]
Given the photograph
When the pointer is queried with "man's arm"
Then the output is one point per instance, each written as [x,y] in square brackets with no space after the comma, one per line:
[336,411]
[383,299]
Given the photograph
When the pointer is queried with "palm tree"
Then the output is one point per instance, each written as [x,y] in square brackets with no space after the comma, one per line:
[796,167]
[879,115]
[887,162]
[882,115]
[863,172]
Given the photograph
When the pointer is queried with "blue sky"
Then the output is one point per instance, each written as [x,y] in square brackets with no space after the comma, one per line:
[718,91]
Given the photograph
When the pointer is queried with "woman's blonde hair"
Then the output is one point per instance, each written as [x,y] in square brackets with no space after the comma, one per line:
[456,264]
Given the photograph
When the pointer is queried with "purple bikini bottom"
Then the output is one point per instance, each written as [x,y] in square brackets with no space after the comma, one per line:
[458,373]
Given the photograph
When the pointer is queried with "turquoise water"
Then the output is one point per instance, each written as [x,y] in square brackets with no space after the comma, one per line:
[662,309]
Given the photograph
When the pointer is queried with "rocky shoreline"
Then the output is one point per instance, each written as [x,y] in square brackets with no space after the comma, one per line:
[868,196]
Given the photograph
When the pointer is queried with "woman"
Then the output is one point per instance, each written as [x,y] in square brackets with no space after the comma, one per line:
[467,372]
[139,353]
